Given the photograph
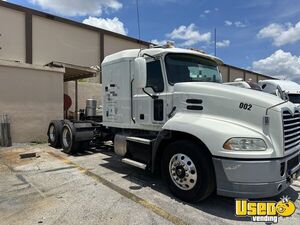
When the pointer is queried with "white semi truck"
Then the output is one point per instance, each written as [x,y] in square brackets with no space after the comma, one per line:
[166,110]
[282,88]
[239,82]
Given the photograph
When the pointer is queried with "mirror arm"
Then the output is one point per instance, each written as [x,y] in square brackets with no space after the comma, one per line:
[145,54]
[286,96]
[151,96]
[171,113]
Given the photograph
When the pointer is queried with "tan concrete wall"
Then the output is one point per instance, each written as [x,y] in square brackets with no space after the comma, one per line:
[114,44]
[85,91]
[263,78]
[31,97]
[57,41]
[224,72]
[234,74]
[12,35]
[251,76]
[239,73]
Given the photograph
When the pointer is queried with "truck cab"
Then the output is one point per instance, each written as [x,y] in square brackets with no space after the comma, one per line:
[179,93]
[166,110]
[283,89]
[149,95]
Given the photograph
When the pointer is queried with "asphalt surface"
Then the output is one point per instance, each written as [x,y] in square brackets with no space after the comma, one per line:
[96,188]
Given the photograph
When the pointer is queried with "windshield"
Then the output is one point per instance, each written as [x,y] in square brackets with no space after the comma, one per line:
[294,98]
[190,68]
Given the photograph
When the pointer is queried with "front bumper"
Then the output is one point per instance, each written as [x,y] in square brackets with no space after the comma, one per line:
[255,178]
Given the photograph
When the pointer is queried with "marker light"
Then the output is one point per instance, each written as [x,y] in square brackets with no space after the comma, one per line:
[245,144]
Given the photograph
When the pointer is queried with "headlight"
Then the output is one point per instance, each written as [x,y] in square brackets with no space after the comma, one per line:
[245,144]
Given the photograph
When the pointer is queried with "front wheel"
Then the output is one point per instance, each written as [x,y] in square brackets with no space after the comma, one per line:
[188,171]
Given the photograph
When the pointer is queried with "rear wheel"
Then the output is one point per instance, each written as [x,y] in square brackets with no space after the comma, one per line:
[54,133]
[68,139]
[188,171]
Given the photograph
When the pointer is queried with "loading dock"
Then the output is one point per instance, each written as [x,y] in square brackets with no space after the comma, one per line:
[33,95]
[74,73]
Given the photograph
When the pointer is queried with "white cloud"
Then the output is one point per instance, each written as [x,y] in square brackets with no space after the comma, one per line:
[280,64]
[238,24]
[79,7]
[271,31]
[281,34]
[114,24]
[208,11]
[159,42]
[228,23]
[190,35]
[223,44]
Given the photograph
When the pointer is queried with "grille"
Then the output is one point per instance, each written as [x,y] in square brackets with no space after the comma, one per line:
[291,129]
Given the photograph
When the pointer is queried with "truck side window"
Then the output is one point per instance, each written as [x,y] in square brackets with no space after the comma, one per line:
[155,76]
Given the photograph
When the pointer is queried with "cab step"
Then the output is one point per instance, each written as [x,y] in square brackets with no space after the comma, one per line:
[134,163]
[140,150]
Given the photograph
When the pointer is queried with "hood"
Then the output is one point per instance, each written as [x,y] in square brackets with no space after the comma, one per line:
[217,90]
[240,106]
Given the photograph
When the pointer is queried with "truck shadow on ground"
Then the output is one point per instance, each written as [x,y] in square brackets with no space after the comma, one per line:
[215,205]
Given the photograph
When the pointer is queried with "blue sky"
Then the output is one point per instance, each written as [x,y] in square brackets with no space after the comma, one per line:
[263,35]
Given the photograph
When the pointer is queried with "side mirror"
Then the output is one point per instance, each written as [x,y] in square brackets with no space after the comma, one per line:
[277,93]
[282,94]
[140,72]
[286,96]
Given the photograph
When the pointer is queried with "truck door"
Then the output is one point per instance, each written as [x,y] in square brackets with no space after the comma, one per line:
[151,110]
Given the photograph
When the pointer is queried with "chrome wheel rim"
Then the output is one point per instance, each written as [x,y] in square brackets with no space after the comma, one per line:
[51,133]
[183,171]
[67,138]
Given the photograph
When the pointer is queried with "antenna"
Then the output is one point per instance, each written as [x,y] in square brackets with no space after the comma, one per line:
[138,21]
[215,41]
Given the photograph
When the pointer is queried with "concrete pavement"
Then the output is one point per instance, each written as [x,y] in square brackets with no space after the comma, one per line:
[96,188]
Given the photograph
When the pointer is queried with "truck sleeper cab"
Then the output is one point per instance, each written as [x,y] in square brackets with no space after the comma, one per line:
[166,109]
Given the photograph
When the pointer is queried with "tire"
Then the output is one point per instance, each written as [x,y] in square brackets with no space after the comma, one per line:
[54,133]
[188,171]
[68,139]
